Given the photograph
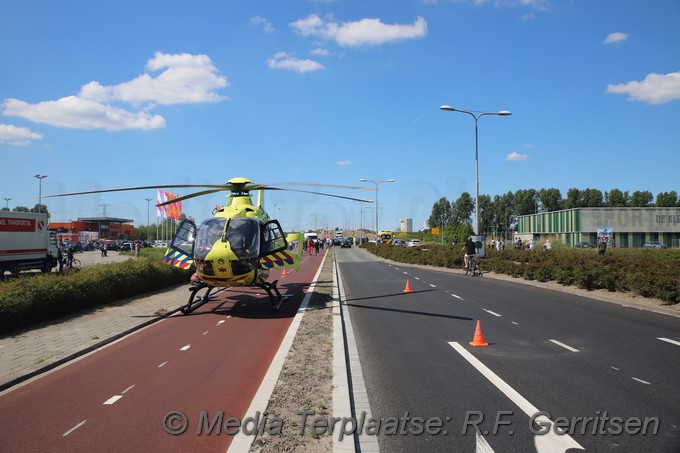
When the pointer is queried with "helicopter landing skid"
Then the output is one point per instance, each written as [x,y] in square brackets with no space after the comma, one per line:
[277,300]
[200,299]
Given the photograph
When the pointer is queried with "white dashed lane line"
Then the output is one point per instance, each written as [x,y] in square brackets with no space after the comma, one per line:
[185,347]
[565,346]
[162,364]
[112,400]
[492,312]
[457,296]
[668,340]
[640,380]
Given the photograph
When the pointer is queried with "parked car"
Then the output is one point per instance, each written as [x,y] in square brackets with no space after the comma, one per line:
[112,245]
[654,245]
[399,242]
[584,245]
[88,246]
[413,243]
[126,247]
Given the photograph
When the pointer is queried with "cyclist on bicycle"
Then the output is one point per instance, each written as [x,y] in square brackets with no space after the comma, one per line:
[470,251]
[69,256]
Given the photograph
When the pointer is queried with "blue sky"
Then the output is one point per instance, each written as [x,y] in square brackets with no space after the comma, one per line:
[130,93]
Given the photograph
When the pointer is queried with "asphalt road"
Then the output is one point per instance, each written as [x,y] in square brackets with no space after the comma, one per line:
[550,351]
[118,398]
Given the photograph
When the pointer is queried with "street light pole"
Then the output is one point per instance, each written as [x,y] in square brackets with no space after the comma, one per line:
[147,218]
[40,178]
[476,118]
[7,203]
[377,227]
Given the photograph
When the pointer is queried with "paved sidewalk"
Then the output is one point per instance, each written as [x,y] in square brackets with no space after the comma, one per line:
[31,352]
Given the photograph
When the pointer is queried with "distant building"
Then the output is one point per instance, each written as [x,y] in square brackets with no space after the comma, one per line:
[94,228]
[624,227]
[406,225]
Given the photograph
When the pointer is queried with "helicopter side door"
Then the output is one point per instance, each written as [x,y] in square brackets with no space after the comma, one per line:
[274,249]
[181,249]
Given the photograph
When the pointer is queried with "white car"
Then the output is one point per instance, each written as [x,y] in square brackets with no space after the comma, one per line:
[413,243]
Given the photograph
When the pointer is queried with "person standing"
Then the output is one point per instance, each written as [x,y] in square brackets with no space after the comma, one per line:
[601,247]
[138,248]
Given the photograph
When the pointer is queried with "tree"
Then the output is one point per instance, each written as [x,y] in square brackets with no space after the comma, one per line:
[487,215]
[441,214]
[592,198]
[667,199]
[21,209]
[641,199]
[616,199]
[573,200]
[551,199]
[463,208]
[526,202]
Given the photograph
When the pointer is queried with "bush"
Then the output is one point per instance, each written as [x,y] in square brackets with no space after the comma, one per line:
[648,273]
[30,299]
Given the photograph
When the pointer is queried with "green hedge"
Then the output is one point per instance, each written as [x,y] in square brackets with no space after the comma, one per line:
[33,298]
[648,273]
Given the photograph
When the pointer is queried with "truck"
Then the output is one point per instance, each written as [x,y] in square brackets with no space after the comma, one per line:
[26,242]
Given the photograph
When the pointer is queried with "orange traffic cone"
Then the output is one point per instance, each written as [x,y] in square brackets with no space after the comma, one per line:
[285,272]
[478,340]
[408,287]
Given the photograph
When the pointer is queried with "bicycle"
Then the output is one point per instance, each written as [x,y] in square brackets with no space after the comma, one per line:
[74,264]
[472,267]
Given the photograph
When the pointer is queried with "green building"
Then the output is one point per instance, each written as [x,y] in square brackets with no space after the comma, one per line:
[625,227]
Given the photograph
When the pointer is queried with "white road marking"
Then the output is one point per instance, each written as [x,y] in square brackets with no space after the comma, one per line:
[640,380]
[74,428]
[127,389]
[614,368]
[565,346]
[162,364]
[205,333]
[432,285]
[481,444]
[515,323]
[113,399]
[184,348]
[677,343]
[405,273]
[220,322]
[551,441]
[492,312]
[417,278]
[457,296]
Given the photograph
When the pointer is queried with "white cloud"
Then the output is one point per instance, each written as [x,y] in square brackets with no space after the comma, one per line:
[365,32]
[19,136]
[344,163]
[654,89]
[78,113]
[321,52]
[515,156]
[615,37]
[281,60]
[184,79]
[259,20]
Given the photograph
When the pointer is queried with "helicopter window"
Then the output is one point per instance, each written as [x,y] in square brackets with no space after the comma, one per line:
[243,236]
[209,233]
[184,238]
[274,240]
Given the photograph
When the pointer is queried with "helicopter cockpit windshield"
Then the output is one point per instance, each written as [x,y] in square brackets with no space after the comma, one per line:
[208,234]
[243,235]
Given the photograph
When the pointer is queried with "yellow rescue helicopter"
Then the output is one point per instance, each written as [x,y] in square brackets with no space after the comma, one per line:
[238,245]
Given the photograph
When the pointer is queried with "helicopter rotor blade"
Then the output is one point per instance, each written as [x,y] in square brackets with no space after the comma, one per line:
[322,194]
[191,195]
[217,187]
